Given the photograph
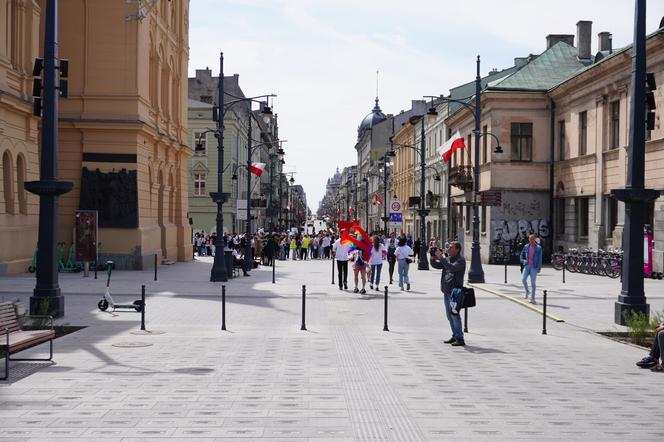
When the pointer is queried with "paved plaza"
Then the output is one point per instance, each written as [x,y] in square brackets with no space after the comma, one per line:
[342,379]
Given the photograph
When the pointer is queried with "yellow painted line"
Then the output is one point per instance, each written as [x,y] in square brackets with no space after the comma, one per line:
[518,301]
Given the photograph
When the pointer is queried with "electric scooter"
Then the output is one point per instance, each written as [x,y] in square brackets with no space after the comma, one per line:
[107,301]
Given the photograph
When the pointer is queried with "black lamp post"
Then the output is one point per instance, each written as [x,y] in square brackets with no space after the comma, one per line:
[218,272]
[366,203]
[47,289]
[634,195]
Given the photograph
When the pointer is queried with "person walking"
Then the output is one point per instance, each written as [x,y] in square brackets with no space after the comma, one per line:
[531,259]
[305,247]
[416,248]
[378,253]
[454,267]
[402,254]
[359,267]
[341,255]
[293,247]
[391,244]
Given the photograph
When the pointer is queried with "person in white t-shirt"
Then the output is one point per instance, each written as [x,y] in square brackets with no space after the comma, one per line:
[403,254]
[341,255]
[377,254]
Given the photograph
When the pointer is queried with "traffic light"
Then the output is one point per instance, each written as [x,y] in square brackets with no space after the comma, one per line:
[37,86]
[651,85]
[64,74]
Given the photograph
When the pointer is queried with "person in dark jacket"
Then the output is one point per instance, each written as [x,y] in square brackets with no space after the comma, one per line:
[454,268]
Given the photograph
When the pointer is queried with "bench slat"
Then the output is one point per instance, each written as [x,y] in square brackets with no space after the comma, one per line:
[25,339]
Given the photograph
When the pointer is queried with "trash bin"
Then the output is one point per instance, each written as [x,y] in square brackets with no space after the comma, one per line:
[228,259]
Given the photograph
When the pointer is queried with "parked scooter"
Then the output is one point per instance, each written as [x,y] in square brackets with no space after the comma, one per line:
[107,300]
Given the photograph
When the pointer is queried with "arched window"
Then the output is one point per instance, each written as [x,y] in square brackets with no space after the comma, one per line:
[7,182]
[171,198]
[165,85]
[152,79]
[20,181]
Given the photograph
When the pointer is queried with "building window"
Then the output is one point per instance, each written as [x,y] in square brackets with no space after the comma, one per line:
[611,215]
[522,141]
[8,183]
[485,157]
[199,184]
[483,220]
[20,181]
[582,216]
[615,124]
[200,143]
[560,217]
[561,140]
[583,133]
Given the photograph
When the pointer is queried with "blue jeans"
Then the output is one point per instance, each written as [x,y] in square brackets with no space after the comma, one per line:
[403,272]
[454,320]
[532,272]
[294,254]
[375,271]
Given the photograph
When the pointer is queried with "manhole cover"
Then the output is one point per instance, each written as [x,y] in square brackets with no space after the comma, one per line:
[132,344]
[147,332]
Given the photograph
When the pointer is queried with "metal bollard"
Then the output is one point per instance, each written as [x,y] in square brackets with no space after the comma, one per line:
[223,307]
[155,266]
[564,265]
[143,309]
[544,315]
[333,270]
[96,269]
[304,306]
[274,258]
[385,328]
[505,272]
[465,320]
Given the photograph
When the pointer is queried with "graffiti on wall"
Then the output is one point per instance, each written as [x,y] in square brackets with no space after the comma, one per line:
[509,236]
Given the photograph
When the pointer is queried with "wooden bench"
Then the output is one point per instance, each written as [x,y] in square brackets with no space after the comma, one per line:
[14,340]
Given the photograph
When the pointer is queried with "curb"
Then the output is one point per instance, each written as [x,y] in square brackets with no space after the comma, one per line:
[518,301]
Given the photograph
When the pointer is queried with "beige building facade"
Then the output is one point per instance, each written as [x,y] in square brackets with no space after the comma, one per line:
[122,130]
[19,137]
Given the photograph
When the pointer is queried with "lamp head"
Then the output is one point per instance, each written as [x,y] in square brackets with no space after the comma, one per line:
[266,114]
[499,149]
[234,177]
[437,178]
[292,180]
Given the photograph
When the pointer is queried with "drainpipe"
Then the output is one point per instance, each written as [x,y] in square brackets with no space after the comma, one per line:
[552,138]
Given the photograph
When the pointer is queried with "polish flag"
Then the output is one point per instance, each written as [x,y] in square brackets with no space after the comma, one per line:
[377,199]
[257,168]
[454,143]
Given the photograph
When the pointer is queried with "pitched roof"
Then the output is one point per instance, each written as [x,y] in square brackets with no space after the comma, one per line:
[551,67]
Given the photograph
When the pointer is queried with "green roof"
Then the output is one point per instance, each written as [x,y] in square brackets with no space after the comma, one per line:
[551,67]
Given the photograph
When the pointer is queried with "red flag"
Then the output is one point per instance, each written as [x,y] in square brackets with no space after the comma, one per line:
[377,199]
[257,168]
[454,143]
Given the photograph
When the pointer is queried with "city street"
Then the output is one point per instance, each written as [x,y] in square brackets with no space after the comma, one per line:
[342,379]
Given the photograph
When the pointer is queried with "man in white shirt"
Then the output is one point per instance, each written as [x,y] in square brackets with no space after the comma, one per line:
[341,255]
[326,245]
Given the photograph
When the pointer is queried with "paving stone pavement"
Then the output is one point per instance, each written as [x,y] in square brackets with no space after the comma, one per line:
[342,379]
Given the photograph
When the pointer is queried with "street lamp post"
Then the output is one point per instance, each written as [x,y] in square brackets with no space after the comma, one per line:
[218,272]
[476,273]
[634,195]
[366,203]
[423,263]
[49,188]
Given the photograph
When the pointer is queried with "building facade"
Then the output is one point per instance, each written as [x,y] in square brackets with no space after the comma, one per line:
[19,151]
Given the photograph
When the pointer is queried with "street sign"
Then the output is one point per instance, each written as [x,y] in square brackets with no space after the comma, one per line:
[395,206]
[395,217]
[491,198]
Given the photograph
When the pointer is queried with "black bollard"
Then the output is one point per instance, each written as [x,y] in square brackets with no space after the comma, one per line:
[465,320]
[505,271]
[544,315]
[274,258]
[385,313]
[564,265]
[304,302]
[223,307]
[333,270]
[95,269]
[143,309]
[155,266]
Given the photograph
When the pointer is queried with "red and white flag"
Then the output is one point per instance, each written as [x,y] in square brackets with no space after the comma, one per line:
[451,145]
[377,199]
[257,168]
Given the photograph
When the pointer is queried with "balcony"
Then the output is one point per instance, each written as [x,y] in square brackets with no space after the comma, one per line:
[461,177]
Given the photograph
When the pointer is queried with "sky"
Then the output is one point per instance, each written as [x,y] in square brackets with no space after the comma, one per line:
[321,56]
